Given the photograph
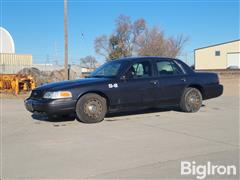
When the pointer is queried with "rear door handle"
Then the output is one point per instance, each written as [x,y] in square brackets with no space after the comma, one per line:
[183,79]
[154,82]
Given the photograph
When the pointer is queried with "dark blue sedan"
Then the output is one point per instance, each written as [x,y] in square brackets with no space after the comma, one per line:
[127,84]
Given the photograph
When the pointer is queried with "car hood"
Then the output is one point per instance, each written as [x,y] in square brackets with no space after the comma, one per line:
[69,83]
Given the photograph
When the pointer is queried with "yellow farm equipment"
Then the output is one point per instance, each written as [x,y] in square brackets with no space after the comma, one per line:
[16,83]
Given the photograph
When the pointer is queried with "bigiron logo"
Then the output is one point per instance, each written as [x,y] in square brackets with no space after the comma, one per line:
[203,170]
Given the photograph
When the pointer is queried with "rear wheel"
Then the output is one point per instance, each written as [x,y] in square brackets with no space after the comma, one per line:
[191,100]
[91,108]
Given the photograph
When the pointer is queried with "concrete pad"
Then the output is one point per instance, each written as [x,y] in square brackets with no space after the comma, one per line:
[148,145]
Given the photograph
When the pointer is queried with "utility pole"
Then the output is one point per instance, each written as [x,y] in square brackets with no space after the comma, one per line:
[55,53]
[46,62]
[66,40]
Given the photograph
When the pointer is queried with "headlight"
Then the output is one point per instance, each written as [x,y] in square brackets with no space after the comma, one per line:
[57,95]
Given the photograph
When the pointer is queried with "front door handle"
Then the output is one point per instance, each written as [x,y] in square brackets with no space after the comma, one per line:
[154,82]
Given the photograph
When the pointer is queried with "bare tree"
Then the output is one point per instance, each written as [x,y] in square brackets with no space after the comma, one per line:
[122,41]
[139,26]
[89,62]
[134,38]
[174,46]
[153,43]
[102,46]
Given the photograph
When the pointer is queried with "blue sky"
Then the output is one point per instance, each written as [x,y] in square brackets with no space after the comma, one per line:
[37,26]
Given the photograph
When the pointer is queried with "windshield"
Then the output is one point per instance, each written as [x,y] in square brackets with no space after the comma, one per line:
[107,70]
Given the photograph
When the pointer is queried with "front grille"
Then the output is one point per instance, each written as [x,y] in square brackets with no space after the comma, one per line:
[36,94]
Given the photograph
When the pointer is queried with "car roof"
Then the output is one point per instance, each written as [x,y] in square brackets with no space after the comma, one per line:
[155,58]
[144,57]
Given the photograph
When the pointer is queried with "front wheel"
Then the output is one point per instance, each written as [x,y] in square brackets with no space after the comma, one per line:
[91,108]
[191,100]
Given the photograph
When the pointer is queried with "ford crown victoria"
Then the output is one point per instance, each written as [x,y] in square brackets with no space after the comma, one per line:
[124,84]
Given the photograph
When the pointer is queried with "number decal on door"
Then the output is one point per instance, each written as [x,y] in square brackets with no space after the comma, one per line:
[115,85]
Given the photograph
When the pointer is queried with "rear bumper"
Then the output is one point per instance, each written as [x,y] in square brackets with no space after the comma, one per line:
[50,106]
[213,91]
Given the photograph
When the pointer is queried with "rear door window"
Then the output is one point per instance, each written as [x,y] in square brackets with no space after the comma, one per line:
[167,68]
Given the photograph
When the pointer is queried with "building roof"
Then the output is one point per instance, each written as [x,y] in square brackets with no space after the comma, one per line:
[218,44]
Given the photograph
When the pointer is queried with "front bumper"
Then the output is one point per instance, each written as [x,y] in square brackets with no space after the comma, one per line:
[50,106]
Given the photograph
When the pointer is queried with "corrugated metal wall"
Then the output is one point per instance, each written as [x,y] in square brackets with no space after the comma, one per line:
[15,59]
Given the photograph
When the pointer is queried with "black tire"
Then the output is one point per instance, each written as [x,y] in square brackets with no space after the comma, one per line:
[191,100]
[91,108]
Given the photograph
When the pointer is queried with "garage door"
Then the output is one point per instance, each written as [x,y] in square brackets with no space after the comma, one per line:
[233,60]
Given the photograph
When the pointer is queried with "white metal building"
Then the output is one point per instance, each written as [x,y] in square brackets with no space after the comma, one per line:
[9,60]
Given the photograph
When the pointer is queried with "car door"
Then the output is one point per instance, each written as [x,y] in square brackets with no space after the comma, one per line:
[137,85]
[171,81]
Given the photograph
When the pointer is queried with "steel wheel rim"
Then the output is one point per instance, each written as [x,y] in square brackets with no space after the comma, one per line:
[193,100]
[93,108]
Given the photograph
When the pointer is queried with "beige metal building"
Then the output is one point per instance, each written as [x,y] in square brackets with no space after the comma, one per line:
[15,59]
[219,56]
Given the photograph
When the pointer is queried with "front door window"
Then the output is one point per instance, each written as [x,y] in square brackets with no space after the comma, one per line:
[139,70]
